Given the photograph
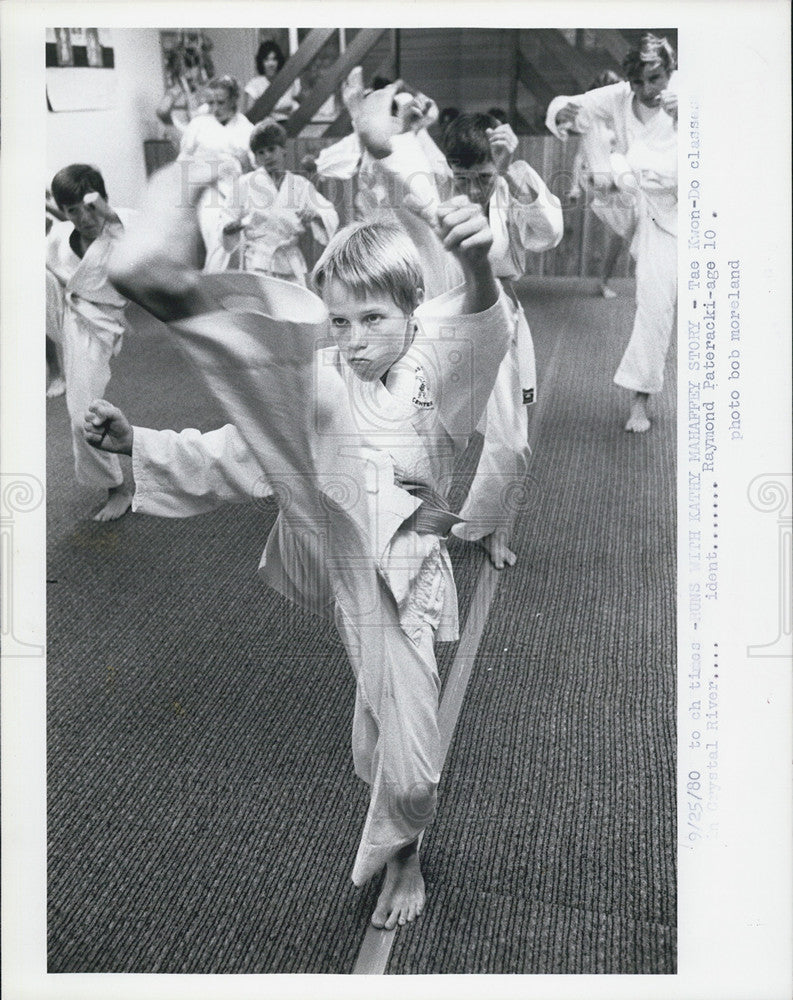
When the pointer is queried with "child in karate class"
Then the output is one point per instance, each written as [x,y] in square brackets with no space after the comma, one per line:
[366,387]
[525,217]
[641,112]
[273,208]
[85,314]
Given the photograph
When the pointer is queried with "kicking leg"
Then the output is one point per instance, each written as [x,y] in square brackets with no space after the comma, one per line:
[613,249]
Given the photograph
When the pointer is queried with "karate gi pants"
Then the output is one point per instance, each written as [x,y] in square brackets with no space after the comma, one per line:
[642,365]
[496,491]
[86,368]
[259,364]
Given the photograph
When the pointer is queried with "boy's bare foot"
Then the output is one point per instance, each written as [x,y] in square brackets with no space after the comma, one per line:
[402,897]
[638,422]
[57,387]
[119,500]
[495,544]
[607,291]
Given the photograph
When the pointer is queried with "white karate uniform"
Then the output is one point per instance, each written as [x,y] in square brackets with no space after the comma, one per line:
[85,314]
[206,141]
[519,227]
[416,174]
[644,168]
[257,86]
[276,219]
[344,459]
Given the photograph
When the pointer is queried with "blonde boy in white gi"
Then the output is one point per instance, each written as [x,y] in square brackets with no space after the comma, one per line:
[642,113]
[357,440]
[525,217]
[85,315]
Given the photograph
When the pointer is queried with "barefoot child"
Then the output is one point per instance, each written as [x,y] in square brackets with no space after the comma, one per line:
[357,441]
[85,314]
[273,208]
[642,112]
[524,217]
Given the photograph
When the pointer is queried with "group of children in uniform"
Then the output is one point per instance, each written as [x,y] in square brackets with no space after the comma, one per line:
[416,340]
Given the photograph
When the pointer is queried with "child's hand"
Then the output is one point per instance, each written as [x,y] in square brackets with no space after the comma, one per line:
[503,143]
[374,122]
[98,207]
[566,118]
[466,233]
[413,110]
[234,227]
[105,427]
[669,104]
[352,91]
[308,165]
[464,229]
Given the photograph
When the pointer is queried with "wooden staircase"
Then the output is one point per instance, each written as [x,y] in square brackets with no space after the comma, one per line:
[363,43]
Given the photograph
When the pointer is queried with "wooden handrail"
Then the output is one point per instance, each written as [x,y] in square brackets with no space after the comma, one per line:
[289,72]
[533,80]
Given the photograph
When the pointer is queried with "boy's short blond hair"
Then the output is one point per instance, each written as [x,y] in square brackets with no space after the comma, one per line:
[373,256]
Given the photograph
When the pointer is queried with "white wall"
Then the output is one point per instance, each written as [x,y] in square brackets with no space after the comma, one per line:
[112,140]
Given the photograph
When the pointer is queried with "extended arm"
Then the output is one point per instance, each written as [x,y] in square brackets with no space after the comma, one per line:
[178,474]
[563,111]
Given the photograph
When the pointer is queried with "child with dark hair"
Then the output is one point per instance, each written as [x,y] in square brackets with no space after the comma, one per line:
[524,217]
[642,114]
[85,314]
[273,208]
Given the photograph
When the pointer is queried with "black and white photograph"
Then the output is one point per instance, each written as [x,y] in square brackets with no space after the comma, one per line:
[397,521]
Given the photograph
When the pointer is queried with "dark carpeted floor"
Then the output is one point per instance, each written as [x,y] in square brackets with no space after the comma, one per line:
[203,811]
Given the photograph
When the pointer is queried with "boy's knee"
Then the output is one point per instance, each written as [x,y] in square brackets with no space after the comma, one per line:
[415,803]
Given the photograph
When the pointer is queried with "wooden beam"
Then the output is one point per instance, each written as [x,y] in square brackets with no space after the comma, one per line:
[354,54]
[291,70]
[534,81]
[341,127]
